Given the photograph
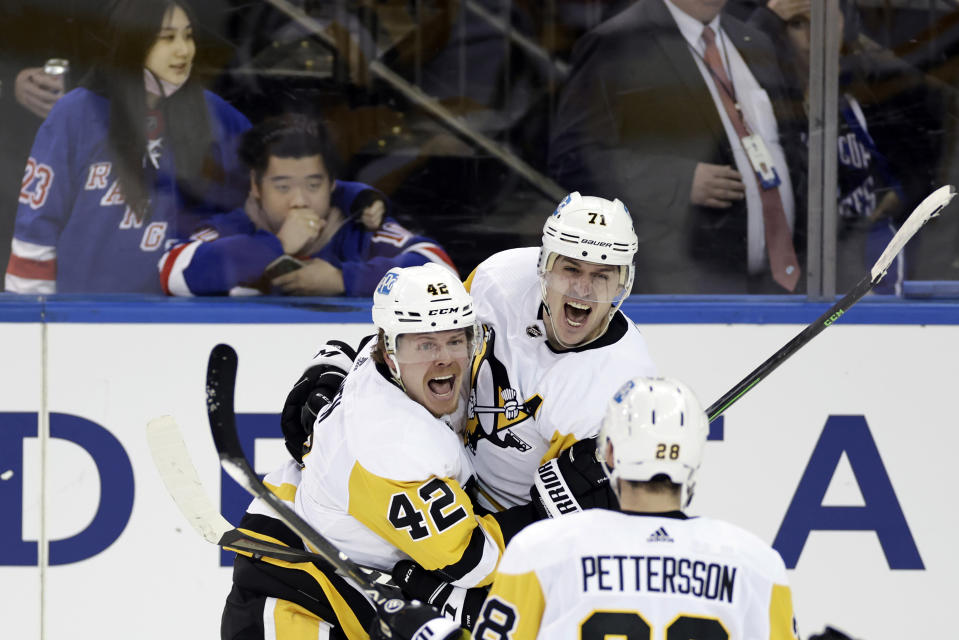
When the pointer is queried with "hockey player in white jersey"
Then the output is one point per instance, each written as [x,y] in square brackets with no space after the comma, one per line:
[649,570]
[555,348]
[384,477]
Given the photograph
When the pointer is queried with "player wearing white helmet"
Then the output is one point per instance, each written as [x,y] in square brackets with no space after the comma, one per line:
[649,570]
[552,349]
[594,242]
[384,478]
[555,347]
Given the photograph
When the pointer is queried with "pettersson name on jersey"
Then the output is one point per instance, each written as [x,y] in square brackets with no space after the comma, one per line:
[658,574]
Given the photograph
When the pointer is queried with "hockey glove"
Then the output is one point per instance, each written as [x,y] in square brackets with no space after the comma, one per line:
[829,633]
[571,482]
[401,620]
[456,603]
[314,390]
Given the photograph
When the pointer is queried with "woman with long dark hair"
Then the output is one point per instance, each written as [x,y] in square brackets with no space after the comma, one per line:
[134,159]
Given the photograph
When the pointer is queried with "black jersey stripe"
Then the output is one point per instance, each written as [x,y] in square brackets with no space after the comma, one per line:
[472,556]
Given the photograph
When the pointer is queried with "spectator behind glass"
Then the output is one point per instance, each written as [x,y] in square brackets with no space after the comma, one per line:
[644,117]
[303,231]
[133,159]
[32,32]
[872,199]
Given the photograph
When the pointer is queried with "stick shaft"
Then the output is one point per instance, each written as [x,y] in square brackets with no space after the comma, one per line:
[221,378]
[929,208]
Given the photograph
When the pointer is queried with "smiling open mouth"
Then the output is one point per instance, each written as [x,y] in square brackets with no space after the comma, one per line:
[576,313]
[442,386]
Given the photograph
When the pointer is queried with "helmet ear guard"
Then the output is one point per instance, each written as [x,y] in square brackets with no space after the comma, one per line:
[656,426]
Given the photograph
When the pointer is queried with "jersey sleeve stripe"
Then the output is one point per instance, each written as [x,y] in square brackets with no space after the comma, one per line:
[559,442]
[514,607]
[289,580]
[259,525]
[468,283]
[16,284]
[285,491]
[33,251]
[433,253]
[781,613]
[476,566]
[32,269]
[172,266]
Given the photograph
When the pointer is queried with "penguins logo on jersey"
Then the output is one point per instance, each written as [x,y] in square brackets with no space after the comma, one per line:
[495,408]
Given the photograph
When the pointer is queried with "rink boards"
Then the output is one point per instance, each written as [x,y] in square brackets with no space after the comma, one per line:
[840,459]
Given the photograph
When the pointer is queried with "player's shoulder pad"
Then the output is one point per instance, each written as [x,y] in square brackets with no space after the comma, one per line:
[504,272]
[751,549]
[408,448]
[536,546]
[394,437]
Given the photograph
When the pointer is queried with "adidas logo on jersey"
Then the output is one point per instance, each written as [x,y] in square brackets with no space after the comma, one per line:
[659,535]
[533,331]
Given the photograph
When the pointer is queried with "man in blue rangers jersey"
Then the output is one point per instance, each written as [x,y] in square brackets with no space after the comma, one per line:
[303,232]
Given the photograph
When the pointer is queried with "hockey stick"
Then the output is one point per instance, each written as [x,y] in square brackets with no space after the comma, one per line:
[927,209]
[220,380]
[172,460]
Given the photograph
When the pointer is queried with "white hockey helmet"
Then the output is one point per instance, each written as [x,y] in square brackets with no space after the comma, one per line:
[656,426]
[595,230]
[422,299]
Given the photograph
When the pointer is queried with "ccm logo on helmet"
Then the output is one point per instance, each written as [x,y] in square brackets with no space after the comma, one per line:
[440,312]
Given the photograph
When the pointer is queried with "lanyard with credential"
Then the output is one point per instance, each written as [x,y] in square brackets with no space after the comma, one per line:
[752,144]
[730,89]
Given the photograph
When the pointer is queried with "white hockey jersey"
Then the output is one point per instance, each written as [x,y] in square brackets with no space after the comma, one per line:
[528,401]
[384,482]
[600,574]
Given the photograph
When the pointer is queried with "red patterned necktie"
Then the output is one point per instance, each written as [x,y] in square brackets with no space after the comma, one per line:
[779,244]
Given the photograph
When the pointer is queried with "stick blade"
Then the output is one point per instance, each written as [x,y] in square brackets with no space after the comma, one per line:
[220,380]
[928,209]
[172,460]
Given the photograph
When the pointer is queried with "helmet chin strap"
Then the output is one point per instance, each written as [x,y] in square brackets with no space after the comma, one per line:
[395,369]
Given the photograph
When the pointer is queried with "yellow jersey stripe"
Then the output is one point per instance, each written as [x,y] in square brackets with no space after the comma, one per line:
[514,608]
[469,281]
[559,442]
[285,491]
[432,521]
[293,622]
[344,613]
[781,614]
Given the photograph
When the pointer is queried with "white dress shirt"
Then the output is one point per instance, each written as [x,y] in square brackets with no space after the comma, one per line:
[758,113]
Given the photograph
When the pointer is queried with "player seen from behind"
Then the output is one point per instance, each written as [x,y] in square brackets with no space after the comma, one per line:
[385,477]
[648,570]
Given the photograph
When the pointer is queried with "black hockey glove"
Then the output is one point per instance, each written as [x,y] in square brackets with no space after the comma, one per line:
[829,633]
[571,482]
[401,620]
[456,603]
[314,390]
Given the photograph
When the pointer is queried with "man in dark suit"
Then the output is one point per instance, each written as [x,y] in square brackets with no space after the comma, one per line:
[642,118]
